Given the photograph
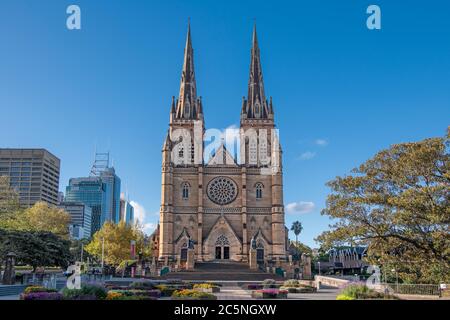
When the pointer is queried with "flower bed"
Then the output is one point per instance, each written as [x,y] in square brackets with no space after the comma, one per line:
[207,287]
[269,284]
[270,294]
[33,289]
[87,292]
[188,294]
[128,295]
[253,286]
[41,296]
[168,289]
[133,292]
[300,289]
[362,292]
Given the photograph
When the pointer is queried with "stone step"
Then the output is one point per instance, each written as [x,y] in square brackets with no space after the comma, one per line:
[227,271]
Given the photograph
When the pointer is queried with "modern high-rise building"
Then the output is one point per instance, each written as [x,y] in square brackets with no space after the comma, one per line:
[90,191]
[81,219]
[126,210]
[101,168]
[34,174]
[112,182]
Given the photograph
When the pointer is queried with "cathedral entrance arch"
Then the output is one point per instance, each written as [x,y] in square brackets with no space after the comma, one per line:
[222,248]
[222,243]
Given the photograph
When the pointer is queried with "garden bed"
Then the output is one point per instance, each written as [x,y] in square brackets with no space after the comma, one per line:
[270,294]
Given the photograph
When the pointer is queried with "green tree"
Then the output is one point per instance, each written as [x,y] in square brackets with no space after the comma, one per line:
[9,202]
[297,228]
[42,217]
[117,240]
[397,203]
[37,249]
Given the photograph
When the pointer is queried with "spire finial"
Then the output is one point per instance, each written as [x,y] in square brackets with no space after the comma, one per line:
[186,106]
[257,105]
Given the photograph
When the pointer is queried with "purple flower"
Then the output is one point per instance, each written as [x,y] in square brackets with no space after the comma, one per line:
[42,296]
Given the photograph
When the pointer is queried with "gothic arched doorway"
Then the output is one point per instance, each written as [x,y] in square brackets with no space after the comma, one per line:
[222,248]
[260,253]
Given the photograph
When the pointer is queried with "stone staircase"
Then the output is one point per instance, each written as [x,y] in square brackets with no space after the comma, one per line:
[221,271]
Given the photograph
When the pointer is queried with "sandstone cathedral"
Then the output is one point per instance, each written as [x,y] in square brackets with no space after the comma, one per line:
[223,206]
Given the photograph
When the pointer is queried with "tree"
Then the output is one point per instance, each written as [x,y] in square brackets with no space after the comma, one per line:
[9,201]
[117,241]
[297,228]
[42,217]
[397,203]
[37,249]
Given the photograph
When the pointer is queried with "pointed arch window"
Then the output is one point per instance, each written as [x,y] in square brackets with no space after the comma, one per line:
[185,190]
[259,190]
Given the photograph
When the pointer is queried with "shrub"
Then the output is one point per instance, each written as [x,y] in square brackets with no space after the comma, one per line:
[270,294]
[192,294]
[166,291]
[33,289]
[269,284]
[87,291]
[344,297]
[114,295]
[291,283]
[41,296]
[205,286]
[134,292]
[362,292]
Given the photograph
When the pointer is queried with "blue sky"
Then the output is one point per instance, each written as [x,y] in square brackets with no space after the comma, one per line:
[341,92]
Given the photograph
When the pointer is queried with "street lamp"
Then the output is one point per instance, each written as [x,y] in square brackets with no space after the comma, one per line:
[103,253]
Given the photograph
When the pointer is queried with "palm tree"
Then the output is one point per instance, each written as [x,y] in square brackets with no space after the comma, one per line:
[297,229]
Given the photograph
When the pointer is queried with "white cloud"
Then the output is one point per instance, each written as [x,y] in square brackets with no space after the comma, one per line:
[321,142]
[308,155]
[139,212]
[300,207]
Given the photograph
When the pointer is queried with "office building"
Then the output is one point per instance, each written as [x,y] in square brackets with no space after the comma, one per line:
[126,210]
[81,219]
[33,173]
[90,191]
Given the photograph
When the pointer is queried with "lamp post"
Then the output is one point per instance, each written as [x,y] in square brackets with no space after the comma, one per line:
[103,253]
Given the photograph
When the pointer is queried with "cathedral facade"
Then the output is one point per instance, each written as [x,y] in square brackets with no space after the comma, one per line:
[223,206]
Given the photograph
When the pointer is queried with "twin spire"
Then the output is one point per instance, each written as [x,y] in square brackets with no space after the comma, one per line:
[189,107]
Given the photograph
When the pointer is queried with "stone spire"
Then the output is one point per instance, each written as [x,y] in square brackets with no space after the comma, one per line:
[187,105]
[256,106]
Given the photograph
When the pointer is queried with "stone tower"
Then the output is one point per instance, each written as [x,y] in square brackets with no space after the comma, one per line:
[222,206]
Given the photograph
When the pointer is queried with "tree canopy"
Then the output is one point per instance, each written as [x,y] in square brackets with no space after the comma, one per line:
[397,203]
[37,249]
[117,243]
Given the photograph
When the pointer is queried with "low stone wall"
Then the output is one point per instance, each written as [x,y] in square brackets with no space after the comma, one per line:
[11,290]
[331,282]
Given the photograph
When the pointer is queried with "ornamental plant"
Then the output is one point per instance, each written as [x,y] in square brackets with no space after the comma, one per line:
[87,291]
[33,289]
[41,296]
[189,294]
[205,286]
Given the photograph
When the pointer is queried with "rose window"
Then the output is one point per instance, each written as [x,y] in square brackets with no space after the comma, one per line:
[222,190]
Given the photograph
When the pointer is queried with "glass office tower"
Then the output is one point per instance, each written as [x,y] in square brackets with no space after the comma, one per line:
[92,192]
[112,194]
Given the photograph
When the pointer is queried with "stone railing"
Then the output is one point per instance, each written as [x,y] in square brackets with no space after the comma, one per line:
[331,282]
